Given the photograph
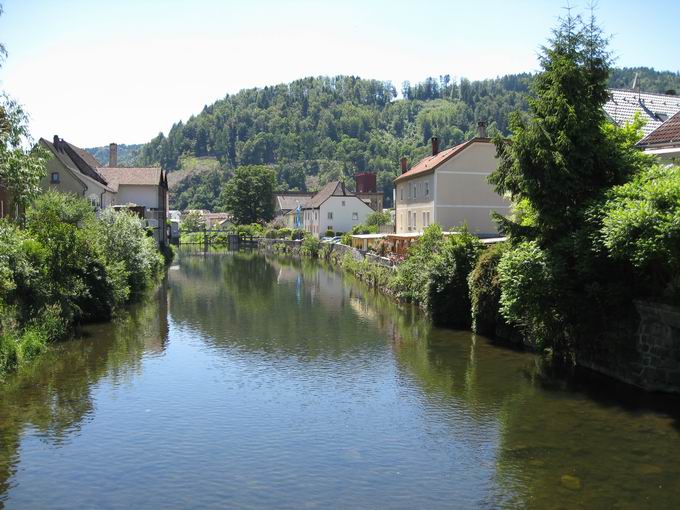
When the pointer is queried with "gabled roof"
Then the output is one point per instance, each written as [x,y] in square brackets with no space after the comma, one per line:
[429,163]
[654,109]
[332,189]
[287,202]
[144,176]
[667,133]
[75,159]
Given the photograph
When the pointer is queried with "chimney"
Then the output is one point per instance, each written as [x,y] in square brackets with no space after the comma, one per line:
[342,186]
[55,141]
[113,155]
[481,129]
[404,165]
[435,145]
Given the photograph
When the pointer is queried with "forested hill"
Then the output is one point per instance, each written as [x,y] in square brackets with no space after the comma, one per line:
[317,129]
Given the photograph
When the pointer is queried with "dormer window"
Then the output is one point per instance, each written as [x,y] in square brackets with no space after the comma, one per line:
[54,178]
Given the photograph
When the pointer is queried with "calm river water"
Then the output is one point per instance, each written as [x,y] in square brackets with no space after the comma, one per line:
[250,382]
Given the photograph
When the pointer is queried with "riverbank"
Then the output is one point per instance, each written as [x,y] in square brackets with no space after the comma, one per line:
[65,266]
[641,350]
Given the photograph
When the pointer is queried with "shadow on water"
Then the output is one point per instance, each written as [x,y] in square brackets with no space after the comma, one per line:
[53,395]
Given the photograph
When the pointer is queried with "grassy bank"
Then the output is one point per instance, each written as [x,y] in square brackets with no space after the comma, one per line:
[65,266]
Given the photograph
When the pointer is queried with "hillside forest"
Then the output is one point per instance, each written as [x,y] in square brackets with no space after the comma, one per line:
[315,130]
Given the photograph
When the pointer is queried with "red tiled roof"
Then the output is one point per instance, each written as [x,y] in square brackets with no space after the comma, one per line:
[666,133]
[429,163]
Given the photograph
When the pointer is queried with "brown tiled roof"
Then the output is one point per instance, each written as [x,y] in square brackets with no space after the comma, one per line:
[654,109]
[667,133]
[116,176]
[429,163]
[76,159]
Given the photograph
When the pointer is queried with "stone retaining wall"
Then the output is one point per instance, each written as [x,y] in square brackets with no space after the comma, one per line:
[643,350]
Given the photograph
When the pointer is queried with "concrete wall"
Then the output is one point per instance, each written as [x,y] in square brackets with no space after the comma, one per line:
[140,195]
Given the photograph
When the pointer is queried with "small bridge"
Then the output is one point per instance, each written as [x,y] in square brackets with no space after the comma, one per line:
[209,236]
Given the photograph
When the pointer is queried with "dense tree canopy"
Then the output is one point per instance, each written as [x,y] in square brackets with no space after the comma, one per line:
[249,195]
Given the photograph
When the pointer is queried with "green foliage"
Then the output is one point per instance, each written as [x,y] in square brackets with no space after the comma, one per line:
[67,266]
[310,247]
[363,229]
[20,170]
[124,241]
[192,222]
[330,232]
[346,239]
[639,223]
[485,290]
[447,295]
[378,218]
[411,282]
[249,195]
[373,275]
[529,285]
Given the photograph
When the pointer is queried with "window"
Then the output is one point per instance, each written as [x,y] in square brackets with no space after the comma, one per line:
[55,178]
[330,215]
[415,191]
[427,188]
[343,203]
[355,216]
[424,220]
[401,190]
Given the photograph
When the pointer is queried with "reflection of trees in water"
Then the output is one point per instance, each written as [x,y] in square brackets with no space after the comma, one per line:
[267,305]
[53,393]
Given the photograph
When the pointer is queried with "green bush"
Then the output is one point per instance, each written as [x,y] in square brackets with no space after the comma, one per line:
[297,233]
[285,233]
[310,247]
[346,239]
[127,248]
[329,233]
[411,281]
[639,223]
[528,280]
[447,296]
[485,291]
[271,233]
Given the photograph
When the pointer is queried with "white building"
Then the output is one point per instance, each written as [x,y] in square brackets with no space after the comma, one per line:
[334,208]
[450,188]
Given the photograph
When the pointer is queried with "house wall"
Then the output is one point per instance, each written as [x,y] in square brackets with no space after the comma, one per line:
[459,193]
[415,197]
[353,212]
[82,185]
[148,196]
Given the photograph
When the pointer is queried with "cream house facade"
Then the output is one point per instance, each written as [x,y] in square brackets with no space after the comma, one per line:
[450,188]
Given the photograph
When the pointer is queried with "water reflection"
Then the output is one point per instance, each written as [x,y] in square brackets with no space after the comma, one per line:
[271,382]
[52,397]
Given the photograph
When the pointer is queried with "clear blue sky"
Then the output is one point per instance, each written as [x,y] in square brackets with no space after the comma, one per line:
[96,72]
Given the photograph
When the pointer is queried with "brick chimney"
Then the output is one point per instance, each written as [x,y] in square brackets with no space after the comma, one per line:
[404,165]
[435,145]
[481,129]
[55,142]
[113,155]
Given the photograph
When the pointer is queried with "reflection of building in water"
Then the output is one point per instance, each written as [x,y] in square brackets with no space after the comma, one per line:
[361,307]
[155,331]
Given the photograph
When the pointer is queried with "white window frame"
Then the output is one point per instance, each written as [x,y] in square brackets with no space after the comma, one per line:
[355,216]
[330,215]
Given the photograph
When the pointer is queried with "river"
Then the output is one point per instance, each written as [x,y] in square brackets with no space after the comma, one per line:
[254,382]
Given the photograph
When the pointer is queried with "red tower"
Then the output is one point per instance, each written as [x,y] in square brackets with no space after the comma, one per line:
[365,183]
